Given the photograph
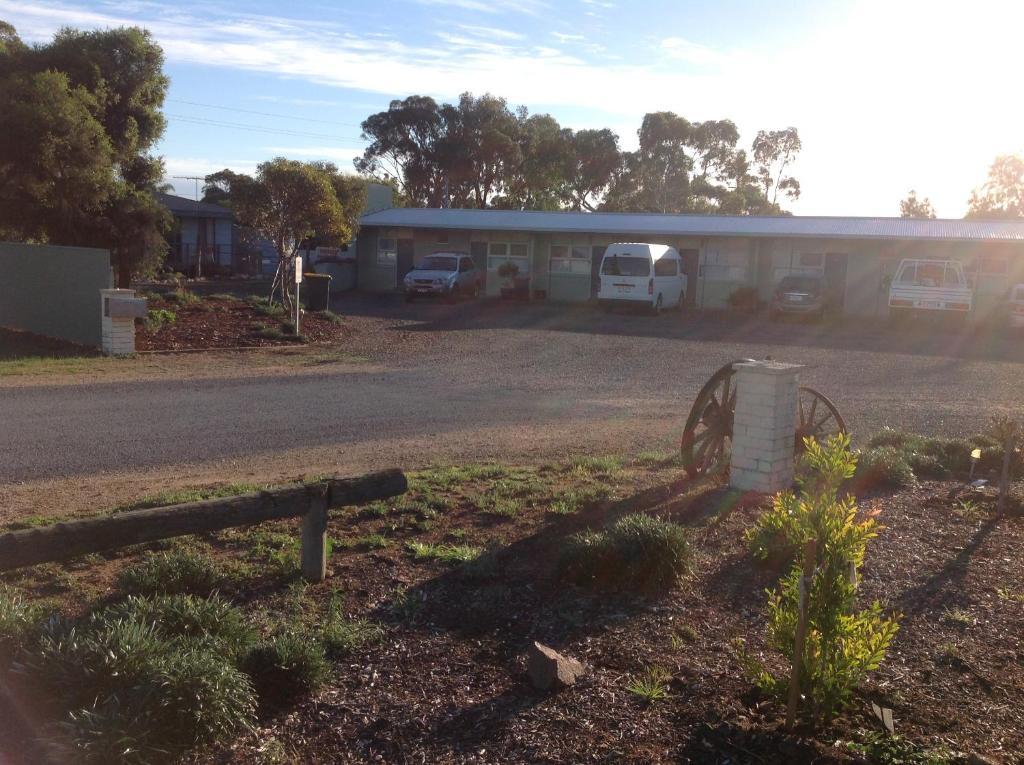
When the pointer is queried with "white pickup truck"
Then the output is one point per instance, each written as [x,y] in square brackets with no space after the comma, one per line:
[929,285]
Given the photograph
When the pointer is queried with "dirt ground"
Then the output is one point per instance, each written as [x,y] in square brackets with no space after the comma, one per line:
[447,683]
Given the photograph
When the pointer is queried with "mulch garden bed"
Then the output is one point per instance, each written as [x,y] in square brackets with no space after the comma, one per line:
[223,321]
[448,682]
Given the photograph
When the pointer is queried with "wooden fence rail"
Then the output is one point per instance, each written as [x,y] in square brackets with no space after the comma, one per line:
[311,502]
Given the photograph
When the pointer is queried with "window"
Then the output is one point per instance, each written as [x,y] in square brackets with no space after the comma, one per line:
[925,273]
[725,266]
[666,267]
[387,252]
[570,259]
[502,252]
[497,248]
[625,265]
[520,250]
[439,263]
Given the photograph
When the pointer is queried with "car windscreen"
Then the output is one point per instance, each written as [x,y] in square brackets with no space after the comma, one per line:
[800,284]
[625,265]
[436,263]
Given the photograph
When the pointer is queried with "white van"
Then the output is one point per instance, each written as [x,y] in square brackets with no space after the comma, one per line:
[637,274]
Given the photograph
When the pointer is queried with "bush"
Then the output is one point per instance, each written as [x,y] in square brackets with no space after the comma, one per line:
[286,667]
[171,573]
[883,466]
[211,622]
[637,552]
[934,457]
[158,318]
[19,625]
[341,636]
[842,645]
[181,296]
[126,694]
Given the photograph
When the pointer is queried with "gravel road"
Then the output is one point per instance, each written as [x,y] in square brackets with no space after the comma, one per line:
[493,380]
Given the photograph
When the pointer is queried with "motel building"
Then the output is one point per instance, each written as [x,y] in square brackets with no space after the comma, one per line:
[560,252]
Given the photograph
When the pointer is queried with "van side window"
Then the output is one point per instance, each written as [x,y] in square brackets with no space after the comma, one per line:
[665,267]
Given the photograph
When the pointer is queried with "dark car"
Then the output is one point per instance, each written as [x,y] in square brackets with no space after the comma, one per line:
[800,294]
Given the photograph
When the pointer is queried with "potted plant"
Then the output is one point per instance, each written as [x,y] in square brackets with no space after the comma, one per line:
[743,299]
[514,285]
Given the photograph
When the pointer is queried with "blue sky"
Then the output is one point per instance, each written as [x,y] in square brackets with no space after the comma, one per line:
[888,95]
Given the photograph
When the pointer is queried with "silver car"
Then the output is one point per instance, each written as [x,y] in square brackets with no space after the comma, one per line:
[450,275]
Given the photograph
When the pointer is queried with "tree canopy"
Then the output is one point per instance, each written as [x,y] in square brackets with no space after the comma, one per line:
[291,203]
[913,207]
[1002,196]
[81,115]
[481,153]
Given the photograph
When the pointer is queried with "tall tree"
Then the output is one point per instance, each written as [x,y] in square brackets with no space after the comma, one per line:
[89,173]
[288,202]
[404,150]
[656,177]
[913,207]
[480,148]
[594,158]
[774,152]
[1002,196]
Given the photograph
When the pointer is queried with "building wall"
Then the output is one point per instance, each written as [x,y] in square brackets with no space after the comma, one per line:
[54,291]
[724,264]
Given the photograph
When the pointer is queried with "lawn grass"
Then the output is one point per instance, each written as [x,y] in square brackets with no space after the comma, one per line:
[183,496]
[422,551]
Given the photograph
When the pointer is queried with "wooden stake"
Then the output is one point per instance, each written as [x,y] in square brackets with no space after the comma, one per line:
[810,551]
[314,538]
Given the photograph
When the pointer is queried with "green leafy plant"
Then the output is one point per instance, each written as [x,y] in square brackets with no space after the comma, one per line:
[842,644]
[886,749]
[443,552]
[637,552]
[181,296]
[158,318]
[19,624]
[884,467]
[508,270]
[171,572]
[124,692]
[651,685]
[287,666]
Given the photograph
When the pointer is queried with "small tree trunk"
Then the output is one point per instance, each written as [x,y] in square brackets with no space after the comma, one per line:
[124,275]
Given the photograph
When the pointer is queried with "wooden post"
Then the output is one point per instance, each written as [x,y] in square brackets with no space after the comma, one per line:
[314,538]
[810,552]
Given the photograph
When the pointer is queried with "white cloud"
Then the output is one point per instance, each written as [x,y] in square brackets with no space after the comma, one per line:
[564,38]
[530,7]
[494,32]
[929,108]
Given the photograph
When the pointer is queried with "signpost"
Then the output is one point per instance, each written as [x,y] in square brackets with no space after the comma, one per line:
[298,281]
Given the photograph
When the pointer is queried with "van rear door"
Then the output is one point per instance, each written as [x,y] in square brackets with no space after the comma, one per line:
[626,276]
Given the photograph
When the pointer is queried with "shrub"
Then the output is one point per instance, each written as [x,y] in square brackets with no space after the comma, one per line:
[651,686]
[842,645]
[158,318]
[286,667]
[211,622]
[341,635]
[128,695]
[637,552]
[170,573]
[181,296]
[884,466]
[19,624]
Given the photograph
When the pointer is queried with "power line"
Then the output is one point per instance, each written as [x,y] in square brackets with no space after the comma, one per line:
[262,114]
[256,128]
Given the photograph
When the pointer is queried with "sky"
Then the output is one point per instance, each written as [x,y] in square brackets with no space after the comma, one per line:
[888,95]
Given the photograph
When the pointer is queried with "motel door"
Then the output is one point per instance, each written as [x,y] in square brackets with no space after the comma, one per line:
[691,264]
[406,249]
[596,254]
[835,278]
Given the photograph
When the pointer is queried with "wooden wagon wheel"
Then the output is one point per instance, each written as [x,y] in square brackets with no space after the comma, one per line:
[816,417]
[708,430]
[707,435]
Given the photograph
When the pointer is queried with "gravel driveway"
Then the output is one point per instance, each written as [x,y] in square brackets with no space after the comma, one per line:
[521,381]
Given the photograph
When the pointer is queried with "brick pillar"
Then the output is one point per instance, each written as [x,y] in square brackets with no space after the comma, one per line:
[118,331]
[764,427]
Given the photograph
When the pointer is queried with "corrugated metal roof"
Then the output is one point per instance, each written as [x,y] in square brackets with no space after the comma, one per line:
[188,208]
[701,225]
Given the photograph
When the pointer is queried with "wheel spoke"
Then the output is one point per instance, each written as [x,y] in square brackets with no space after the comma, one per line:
[814,406]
